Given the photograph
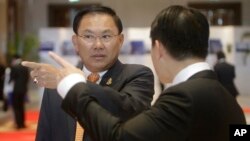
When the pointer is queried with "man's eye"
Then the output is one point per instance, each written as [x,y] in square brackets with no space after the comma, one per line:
[88,36]
[106,36]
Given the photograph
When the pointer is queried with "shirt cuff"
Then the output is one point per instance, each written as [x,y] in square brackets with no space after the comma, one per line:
[68,82]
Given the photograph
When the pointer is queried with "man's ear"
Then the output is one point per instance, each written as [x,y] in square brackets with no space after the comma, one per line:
[158,48]
[75,43]
[121,38]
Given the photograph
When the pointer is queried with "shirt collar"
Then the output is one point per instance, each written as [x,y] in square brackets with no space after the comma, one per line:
[190,70]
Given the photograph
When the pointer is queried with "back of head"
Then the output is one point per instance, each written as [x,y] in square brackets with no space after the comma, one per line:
[16,59]
[16,56]
[183,31]
[96,9]
[220,55]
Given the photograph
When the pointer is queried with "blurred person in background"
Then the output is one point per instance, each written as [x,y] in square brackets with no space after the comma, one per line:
[19,76]
[226,73]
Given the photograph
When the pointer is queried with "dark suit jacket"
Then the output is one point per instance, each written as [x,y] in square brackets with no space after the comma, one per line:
[130,92]
[2,73]
[199,109]
[20,76]
[226,74]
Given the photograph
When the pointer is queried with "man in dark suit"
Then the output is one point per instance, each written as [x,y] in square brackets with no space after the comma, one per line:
[124,90]
[19,75]
[225,73]
[194,107]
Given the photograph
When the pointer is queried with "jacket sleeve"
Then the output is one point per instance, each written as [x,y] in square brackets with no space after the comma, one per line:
[130,96]
[159,123]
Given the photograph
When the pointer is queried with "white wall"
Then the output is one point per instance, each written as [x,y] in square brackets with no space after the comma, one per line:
[242,70]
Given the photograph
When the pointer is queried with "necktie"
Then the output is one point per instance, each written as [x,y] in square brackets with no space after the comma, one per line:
[93,77]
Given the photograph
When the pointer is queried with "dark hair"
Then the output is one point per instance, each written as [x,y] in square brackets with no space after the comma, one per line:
[183,31]
[96,9]
[16,56]
[220,55]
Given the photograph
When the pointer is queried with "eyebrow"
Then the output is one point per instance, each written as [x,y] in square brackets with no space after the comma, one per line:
[107,31]
[86,31]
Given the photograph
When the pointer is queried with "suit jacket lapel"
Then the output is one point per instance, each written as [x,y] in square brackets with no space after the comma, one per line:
[110,78]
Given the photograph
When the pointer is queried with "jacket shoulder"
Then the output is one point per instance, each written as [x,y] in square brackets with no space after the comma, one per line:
[135,67]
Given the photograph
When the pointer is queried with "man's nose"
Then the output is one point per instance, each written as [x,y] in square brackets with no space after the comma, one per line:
[98,43]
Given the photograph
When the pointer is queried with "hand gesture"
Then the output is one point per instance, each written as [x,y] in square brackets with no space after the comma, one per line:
[46,75]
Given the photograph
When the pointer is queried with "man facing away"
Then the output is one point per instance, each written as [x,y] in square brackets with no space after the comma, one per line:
[226,73]
[195,107]
[124,90]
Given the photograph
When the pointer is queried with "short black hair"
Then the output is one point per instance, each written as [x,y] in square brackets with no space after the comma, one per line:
[220,55]
[16,56]
[183,31]
[97,9]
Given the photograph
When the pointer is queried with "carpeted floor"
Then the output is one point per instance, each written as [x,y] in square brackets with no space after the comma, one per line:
[8,132]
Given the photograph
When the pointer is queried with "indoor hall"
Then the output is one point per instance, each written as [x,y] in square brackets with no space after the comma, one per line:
[32,27]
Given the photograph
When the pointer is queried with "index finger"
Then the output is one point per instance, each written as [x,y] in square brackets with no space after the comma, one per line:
[31,65]
[60,60]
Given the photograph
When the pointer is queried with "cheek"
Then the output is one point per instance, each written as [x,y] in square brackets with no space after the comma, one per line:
[84,53]
[83,50]
[113,51]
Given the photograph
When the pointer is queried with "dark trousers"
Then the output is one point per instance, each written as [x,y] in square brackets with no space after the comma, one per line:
[18,107]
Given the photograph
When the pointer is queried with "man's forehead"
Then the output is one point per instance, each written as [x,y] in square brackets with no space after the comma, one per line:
[100,31]
[97,16]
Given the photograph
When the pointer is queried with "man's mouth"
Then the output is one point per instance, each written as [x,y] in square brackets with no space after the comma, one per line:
[98,56]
